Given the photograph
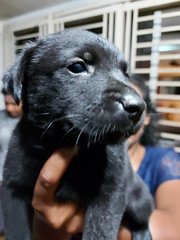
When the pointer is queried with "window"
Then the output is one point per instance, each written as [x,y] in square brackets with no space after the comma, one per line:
[23,36]
[155,54]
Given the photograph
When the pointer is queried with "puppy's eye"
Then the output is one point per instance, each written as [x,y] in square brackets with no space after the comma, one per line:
[77,67]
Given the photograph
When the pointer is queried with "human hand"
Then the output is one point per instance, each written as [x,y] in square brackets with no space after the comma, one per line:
[124,234]
[53,219]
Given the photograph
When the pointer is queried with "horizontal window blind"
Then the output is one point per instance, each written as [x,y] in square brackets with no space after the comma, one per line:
[107,21]
[24,35]
[156,56]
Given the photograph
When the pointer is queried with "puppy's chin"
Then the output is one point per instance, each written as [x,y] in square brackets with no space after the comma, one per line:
[115,137]
[112,135]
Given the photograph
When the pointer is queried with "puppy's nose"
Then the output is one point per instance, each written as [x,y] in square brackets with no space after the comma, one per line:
[134,106]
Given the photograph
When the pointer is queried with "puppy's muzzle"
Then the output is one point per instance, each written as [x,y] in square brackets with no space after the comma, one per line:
[123,107]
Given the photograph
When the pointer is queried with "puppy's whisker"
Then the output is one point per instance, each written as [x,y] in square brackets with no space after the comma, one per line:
[95,136]
[109,127]
[100,135]
[90,137]
[66,117]
[65,135]
[56,120]
[43,113]
[45,131]
[77,140]
[113,128]
[103,133]
[105,129]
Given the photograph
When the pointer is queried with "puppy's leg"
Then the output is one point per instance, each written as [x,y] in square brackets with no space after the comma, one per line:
[139,208]
[16,216]
[104,214]
[103,218]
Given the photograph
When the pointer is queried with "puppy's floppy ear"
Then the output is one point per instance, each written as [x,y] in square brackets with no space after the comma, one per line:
[14,76]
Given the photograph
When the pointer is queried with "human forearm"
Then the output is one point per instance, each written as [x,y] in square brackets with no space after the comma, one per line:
[163,225]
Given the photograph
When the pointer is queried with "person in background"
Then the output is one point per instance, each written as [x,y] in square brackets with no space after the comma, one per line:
[8,119]
[159,168]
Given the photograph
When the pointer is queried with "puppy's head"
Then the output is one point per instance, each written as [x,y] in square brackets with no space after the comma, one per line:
[76,81]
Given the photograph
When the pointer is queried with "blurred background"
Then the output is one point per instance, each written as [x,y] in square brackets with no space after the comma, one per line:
[147,32]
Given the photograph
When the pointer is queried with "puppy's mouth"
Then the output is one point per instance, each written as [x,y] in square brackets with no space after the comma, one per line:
[114,132]
[108,123]
[115,120]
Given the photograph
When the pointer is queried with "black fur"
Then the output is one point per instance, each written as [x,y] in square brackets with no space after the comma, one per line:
[75,92]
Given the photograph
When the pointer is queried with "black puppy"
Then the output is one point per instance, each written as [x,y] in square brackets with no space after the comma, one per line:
[75,92]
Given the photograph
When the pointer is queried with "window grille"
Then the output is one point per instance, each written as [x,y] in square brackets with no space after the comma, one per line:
[107,22]
[24,35]
[155,54]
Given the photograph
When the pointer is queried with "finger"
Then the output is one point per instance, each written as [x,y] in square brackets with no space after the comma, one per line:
[43,231]
[76,223]
[50,176]
[57,214]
